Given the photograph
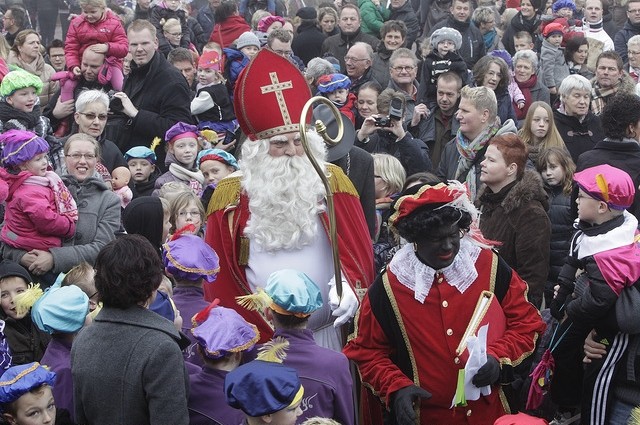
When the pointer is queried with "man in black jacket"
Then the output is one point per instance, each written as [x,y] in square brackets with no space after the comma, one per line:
[307,44]
[155,95]
[401,10]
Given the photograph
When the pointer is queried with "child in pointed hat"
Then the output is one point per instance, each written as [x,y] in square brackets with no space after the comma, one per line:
[222,336]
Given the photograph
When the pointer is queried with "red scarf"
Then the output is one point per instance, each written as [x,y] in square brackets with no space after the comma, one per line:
[525,88]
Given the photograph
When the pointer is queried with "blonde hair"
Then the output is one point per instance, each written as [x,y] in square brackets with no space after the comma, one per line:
[93,3]
[482,98]
[79,276]
[553,139]
[170,190]
[182,200]
[171,23]
[320,421]
[390,170]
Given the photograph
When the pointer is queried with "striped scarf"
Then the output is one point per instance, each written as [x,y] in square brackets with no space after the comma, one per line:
[468,149]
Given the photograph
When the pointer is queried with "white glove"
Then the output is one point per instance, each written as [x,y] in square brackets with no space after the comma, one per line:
[345,308]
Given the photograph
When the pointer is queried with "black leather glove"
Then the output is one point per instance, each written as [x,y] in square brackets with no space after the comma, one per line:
[403,404]
[488,374]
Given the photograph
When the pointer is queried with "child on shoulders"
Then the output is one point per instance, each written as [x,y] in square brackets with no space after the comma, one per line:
[335,87]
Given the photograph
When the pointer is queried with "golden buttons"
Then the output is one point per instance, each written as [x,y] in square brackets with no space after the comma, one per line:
[449,332]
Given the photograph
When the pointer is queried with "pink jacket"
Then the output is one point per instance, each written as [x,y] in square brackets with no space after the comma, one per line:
[31,218]
[82,34]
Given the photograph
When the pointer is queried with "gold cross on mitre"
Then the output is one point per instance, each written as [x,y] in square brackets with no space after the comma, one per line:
[277,87]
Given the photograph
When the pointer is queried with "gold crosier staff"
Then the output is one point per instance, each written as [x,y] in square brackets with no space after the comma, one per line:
[321,129]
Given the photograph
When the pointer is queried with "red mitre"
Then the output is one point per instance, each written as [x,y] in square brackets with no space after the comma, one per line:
[436,196]
[269,96]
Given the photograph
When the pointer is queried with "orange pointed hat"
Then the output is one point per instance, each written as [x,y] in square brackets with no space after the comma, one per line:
[269,96]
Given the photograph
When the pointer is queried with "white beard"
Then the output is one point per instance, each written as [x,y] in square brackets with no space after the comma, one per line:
[285,195]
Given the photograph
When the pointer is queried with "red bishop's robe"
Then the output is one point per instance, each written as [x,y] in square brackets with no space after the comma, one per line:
[401,342]
[227,216]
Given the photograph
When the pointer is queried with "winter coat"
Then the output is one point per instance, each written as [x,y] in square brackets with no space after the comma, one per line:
[40,68]
[406,14]
[539,93]
[450,156]
[409,102]
[472,41]
[159,14]
[519,23]
[307,44]
[578,136]
[433,131]
[366,77]
[622,37]
[98,221]
[146,188]
[433,66]
[553,66]
[380,66]
[161,95]
[338,45]
[206,20]
[623,154]
[372,17]
[225,33]
[516,216]
[197,35]
[505,106]
[235,62]
[222,110]
[31,219]
[412,153]
[26,342]
[128,369]
[562,230]
[83,34]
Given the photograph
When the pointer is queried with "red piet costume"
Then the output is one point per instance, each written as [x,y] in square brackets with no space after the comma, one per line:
[269,96]
[413,318]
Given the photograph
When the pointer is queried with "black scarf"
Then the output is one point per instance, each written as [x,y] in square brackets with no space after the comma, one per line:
[520,23]
[598,229]
[28,119]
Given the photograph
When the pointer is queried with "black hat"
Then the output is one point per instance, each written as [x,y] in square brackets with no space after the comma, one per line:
[11,268]
[307,13]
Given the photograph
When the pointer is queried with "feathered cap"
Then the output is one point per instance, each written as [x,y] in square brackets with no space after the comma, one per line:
[140,152]
[181,130]
[561,4]
[217,155]
[446,33]
[264,386]
[332,82]
[269,96]
[19,380]
[61,308]
[288,292]
[209,60]
[188,257]
[221,331]
[607,184]
[19,79]
[19,146]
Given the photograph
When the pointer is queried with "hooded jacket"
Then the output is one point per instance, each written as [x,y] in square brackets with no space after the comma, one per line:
[516,216]
[622,37]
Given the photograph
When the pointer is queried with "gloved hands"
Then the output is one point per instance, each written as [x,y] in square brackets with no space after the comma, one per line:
[345,308]
[403,401]
[558,303]
[488,374]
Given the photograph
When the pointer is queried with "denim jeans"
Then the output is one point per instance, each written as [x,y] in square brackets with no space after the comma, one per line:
[620,412]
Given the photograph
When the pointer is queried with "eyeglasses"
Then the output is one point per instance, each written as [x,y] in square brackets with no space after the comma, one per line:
[91,116]
[189,213]
[78,156]
[173,34]
[352,59]
[403,68]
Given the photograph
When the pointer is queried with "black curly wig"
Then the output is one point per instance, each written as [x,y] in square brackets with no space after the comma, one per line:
[423,221]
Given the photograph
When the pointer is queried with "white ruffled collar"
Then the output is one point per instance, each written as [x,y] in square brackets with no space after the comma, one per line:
[622,235]
[417,276]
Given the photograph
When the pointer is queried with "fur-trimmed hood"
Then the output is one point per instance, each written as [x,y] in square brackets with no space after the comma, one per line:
[529,188]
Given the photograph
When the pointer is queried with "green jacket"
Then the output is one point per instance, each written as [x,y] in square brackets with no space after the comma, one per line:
[372,17]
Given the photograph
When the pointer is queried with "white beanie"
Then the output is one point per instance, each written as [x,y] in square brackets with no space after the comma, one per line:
[446,33]
[247,39]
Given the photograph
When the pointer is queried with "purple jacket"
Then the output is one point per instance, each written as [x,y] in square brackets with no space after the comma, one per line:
[58,357]
[189,300]
[324,374]
[207,402]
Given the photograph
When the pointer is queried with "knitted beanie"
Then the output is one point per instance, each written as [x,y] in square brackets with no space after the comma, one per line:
[247,39]
[446,33]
